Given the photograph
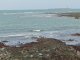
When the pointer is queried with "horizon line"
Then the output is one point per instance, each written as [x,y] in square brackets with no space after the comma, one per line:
[40,9]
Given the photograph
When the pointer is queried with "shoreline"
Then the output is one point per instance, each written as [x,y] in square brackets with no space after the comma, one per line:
[44,48]
[76,15]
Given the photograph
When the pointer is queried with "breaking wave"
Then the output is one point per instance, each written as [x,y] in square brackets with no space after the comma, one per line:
[37,30]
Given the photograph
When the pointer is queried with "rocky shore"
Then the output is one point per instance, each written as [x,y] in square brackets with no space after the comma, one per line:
[76,15]
[76,34]
[44,49]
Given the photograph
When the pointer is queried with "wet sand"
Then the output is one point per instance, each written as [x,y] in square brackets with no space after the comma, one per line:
[44,49]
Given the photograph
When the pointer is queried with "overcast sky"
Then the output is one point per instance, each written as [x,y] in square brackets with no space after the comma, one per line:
[38,4]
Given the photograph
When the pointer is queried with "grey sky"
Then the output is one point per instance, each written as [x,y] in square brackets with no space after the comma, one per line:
[38,4]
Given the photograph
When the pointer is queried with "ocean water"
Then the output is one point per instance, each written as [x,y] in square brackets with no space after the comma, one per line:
[21,25]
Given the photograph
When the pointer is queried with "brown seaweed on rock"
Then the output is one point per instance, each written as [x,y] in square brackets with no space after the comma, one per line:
[76,34]
[1,45]
[49,48]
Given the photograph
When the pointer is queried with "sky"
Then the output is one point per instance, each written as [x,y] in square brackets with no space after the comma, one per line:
[38,4]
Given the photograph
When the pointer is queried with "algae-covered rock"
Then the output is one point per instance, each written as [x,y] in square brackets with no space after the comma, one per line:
[76,34]
[45,48]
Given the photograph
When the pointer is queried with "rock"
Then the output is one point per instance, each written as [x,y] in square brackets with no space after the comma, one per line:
[31,56]
[76,34]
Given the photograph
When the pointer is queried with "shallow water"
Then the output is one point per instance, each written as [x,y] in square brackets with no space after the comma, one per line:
[20,25]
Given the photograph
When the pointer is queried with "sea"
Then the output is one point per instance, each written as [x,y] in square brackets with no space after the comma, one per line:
[25,26]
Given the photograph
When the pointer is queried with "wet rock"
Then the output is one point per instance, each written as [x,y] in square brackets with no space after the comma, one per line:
[5,41]
[45,48]
[76,17]
[76,34]
[1,45]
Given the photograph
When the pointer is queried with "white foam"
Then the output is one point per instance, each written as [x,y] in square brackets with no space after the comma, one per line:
[48,16]
[27,36]
[17,35]
[17,42]
[51,32]
[17,13]
[12,35]
[28,12]
[9,13]
[37,30]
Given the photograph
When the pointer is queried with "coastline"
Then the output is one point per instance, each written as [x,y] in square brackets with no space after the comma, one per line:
[32,41]
[76,15]
[43,49]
